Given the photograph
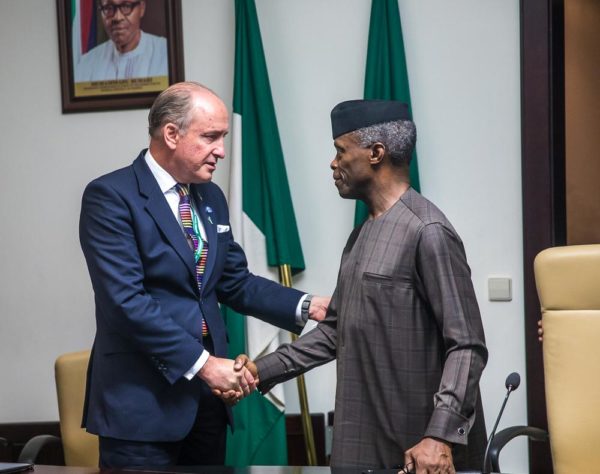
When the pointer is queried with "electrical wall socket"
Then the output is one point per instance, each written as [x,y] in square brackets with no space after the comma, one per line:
[500,289]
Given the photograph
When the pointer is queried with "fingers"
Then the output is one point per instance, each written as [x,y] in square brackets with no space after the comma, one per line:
[230,397]
[318,307]
[428,456]
[251,366]
[244,361]
[246,382]
[246,378]
[408,463]
[250,380]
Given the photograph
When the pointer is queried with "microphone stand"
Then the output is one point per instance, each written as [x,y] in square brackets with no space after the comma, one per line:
[485,469]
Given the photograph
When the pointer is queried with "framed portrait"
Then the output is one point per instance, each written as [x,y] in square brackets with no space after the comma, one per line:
[118,54]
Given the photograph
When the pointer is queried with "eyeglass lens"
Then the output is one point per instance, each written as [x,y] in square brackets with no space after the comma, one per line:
[125,8]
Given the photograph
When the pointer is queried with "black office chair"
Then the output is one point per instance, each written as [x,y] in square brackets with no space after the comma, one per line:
[504,436]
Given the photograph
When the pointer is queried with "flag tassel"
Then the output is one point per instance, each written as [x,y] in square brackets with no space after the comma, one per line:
[285,278]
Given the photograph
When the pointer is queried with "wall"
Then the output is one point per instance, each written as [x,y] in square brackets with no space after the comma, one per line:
[463,60]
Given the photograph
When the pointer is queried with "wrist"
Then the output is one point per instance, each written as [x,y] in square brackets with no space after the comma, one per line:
[205,369]
[440,440]
[304,309]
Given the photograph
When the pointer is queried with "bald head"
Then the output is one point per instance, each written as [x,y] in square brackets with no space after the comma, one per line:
[175,104]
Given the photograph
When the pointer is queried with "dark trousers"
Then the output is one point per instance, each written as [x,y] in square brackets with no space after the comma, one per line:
[204,445]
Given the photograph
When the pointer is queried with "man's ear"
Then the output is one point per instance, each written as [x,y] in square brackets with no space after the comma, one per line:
[170,133]
[377,153]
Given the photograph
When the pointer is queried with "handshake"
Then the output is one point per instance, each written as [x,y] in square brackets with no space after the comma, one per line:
[233,380]
[228,379]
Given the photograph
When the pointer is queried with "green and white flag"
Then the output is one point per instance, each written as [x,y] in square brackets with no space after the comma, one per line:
[386,75]
[262,218]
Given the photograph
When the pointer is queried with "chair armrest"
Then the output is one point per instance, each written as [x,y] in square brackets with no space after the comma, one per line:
[503,437]
[32,449]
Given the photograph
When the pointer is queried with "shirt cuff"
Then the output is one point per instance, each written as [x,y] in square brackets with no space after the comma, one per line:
[449,426]
[300,319]
[190,374]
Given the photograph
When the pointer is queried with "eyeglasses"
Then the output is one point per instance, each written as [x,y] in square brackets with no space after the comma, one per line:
[125,8]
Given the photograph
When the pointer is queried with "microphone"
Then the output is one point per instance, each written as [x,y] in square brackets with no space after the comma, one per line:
[512,383]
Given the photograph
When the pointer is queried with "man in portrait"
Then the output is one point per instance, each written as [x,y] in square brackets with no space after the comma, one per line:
[129,52]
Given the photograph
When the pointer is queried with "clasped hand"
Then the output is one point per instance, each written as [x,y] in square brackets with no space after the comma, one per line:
[230,380]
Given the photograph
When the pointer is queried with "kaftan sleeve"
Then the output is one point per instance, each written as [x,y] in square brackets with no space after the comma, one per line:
[445,280]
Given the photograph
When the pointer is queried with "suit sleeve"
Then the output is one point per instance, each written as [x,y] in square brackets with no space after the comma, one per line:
[247,293]
[256,296]
[446,283]
[116,269]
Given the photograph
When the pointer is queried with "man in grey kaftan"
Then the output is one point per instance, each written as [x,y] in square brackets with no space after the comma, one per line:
[403,323]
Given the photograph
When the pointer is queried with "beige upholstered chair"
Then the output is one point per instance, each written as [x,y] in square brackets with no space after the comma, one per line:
[80,448]
[568,284]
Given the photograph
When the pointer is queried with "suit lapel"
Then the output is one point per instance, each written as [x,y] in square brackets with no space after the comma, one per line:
[208,217]
[159,209]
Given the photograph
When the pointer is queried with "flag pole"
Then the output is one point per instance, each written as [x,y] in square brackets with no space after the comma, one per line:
[285,278]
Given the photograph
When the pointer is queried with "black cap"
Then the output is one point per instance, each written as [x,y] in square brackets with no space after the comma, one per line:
[356,114]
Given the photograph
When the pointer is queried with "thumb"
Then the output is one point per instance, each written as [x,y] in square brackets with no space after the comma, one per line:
[240,362]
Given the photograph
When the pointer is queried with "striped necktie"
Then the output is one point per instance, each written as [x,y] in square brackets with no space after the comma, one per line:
[199,245]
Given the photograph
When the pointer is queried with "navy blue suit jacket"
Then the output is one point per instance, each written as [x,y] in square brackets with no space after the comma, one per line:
[149,308]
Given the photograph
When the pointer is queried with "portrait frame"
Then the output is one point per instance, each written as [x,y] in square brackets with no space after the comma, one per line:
[116,93]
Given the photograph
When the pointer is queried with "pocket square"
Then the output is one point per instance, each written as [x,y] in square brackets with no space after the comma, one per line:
[222,228]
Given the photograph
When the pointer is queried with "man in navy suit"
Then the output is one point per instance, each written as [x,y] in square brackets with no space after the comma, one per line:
[153,369]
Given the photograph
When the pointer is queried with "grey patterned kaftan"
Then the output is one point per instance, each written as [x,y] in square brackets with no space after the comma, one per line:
[405,327]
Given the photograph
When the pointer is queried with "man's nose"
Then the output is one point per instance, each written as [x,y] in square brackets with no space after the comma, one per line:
[219,150]
[118,16]
[333,164]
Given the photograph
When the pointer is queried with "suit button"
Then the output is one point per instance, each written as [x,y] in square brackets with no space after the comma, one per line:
[461,431]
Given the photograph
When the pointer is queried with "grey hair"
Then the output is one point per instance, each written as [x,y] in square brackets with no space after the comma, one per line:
[173,105]
[398,137]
